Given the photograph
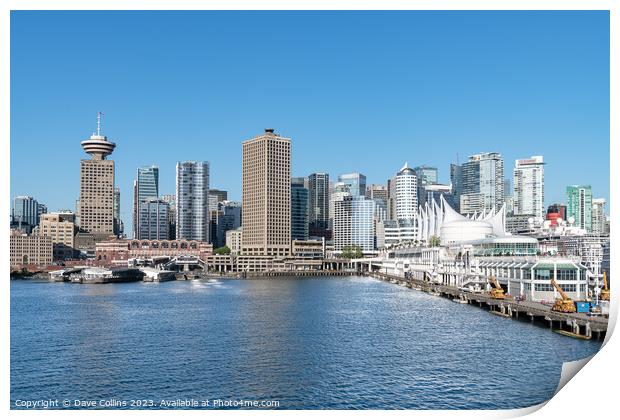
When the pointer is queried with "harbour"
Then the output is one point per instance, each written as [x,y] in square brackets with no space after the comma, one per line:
[577,325]
[338,341]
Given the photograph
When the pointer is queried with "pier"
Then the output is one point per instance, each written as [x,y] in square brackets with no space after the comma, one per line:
[577,325]
[301,273]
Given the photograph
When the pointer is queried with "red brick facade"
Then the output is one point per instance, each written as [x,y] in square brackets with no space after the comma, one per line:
[123,249]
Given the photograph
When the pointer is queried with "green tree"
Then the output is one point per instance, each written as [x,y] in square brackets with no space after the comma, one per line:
[222,250]
[434,241]
[352,251]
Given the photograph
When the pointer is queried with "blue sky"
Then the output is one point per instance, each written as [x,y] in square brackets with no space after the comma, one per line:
[356,91]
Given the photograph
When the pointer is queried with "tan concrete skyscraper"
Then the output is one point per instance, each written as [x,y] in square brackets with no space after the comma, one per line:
[96,204]
[266,212]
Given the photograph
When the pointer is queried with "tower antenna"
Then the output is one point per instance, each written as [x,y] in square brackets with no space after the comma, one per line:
[99,114]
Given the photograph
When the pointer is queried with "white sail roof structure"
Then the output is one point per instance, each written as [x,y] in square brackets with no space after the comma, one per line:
[452,227]
[498,222]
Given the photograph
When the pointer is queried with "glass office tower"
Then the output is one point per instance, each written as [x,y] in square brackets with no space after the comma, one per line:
[192,205]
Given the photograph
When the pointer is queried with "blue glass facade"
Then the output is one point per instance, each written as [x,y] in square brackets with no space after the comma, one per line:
[356,183]
[354,223]
[299,210]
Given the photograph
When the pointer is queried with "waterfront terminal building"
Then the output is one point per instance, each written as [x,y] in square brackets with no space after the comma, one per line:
[474,248]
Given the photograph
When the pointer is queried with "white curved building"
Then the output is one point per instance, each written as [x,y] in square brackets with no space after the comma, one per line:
[485,230]
[406,193]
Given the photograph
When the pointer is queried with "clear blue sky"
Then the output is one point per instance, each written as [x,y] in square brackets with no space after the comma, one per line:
[356,91]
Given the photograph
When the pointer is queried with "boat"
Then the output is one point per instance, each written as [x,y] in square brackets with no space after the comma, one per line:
[572,334]
[460,299]
[434,293]
[499,313]
[98,275]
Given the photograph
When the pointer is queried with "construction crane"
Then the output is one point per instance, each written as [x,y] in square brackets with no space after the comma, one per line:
[605,292]
[564,303]
[496,292]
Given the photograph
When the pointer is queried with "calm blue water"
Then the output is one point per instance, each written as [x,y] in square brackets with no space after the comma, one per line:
[306,342]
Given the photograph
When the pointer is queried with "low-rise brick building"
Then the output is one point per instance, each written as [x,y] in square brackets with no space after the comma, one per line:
[30,250]
[106,252]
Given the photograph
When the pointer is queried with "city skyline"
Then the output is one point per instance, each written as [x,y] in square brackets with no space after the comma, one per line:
[383,136]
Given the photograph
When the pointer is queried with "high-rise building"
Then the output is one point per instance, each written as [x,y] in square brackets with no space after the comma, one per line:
[354,223]
[212,202]
[171,199]
[529,187]
[579,205]
[61,228]
[508,197]
[153,219]
[266,213]
[226,217]
[25,213]
[192,205]
[455,181]
[215,197]
[427,175]
[598,216]
[41,209]
[479,183]
[434,192]
[391,201]
[378,194]
[118,223]
[318,204]
[96,201]
[299,210]
[339,191]
[380,209]
[406,194]
[146,187]
[377,191]
[356,183]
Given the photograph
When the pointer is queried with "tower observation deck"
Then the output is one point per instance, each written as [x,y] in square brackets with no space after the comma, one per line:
[98,145]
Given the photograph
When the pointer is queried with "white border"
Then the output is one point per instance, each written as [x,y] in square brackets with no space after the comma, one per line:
[589,395]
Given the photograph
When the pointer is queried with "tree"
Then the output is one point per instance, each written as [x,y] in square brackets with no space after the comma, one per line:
[222,250]
[352,251]
[434,241]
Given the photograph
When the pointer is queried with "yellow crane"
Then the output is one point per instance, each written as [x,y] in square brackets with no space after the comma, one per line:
[496,292]
[564,303]
[605,292]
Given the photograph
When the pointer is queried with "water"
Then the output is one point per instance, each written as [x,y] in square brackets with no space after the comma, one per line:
[305,342]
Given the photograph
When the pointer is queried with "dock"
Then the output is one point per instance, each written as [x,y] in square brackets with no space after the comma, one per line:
[301,273]
[576,325]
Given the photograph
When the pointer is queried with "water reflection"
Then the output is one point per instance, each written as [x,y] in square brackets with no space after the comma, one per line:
[308,342]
